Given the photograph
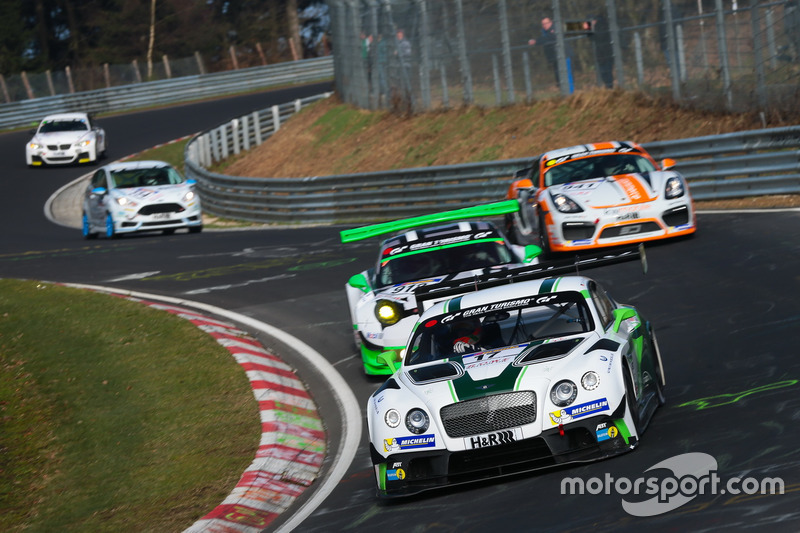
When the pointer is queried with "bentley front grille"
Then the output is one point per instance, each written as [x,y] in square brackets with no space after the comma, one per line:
[488,414]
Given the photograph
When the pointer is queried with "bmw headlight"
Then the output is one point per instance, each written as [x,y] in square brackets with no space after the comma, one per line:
[388,312]
[565,205]
[35,146]
[392,418]
[674,188]
[417,421]
[85,142]
[590,380]
[563,393]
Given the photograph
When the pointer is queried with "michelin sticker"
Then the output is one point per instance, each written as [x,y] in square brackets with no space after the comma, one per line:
[573,412]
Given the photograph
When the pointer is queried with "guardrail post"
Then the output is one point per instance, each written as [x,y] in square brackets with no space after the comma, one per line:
[276,118]
[215,149]
[257,127]
[235,136]
[246,132]
[222,133]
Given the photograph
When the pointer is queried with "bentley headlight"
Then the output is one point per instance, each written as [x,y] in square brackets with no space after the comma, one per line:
[674,188]
[590,380]
[392,418]
[564,393]
[388,312]
[565,205]
[417,421]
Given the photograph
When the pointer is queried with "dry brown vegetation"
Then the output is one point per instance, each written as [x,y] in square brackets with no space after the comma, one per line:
[330,137]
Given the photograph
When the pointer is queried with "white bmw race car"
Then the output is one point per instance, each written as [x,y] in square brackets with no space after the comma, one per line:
[597,195]
[381,299]
[66,138]
[138,196]
[513,377]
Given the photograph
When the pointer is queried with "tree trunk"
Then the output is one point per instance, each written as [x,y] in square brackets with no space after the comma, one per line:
[294,29]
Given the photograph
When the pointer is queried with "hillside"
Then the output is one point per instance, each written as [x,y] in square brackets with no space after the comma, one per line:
[333,138]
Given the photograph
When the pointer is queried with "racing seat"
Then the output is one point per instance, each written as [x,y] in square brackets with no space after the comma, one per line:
[491,336]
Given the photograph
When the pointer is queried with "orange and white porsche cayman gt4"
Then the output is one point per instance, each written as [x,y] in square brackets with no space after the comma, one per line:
[596,195]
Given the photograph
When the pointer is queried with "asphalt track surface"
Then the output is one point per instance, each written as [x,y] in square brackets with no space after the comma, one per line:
[724,304]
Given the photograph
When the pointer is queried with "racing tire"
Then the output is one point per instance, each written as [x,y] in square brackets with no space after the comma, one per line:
[86,228]
[168,231]
[544,240]
[195,229]
[110,232]
[630,399]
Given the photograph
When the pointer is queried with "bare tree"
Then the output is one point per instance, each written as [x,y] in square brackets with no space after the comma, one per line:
[152,41]
[294,30]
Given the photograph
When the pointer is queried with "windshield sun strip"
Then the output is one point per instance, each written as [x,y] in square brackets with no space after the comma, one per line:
[442,247]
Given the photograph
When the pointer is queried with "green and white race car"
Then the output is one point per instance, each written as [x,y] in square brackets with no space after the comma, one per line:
[381,299]
[518,375]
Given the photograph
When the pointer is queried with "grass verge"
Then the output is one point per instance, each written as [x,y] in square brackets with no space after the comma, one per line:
[107,419]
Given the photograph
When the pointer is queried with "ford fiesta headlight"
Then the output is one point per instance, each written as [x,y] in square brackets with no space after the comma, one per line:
[565,205]
[590,380]
[417,421]
[674,188]
[563,393]
[189,196]
[124,201]
[388,312]
[392,418]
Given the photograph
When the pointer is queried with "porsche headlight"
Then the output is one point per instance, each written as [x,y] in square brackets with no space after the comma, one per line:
[388,312]
[674,188]
[590,380]
[563,393]
[392,418]
[417,421]
[565,205]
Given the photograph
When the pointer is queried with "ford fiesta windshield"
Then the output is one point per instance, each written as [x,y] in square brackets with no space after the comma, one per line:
[599,166]
[444,260]
[145,177]
[510,323]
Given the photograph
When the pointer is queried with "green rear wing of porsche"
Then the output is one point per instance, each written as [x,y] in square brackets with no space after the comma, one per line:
[478,211]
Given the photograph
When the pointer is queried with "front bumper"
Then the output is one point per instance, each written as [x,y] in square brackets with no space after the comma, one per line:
[592,439]
[60,157]
[592,231]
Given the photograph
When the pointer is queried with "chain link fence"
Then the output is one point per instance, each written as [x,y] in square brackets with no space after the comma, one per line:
[412,55]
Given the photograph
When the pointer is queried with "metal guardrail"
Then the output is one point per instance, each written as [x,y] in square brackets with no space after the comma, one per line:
[23,113]
[749,163]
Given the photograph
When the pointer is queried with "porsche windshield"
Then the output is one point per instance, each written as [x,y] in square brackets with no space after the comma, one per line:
[598,166]
[443,260]
[500,324]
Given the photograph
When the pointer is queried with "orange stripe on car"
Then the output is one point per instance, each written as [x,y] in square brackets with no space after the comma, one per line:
[633,188]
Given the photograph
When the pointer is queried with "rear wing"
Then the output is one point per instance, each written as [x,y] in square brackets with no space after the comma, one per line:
[428,295]
[478,211]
